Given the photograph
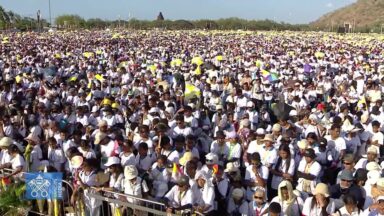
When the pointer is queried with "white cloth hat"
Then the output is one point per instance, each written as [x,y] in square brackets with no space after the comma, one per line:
[130,172]
[372,149]
[260,131]
[372,177]
[94,109]
[276,127]
[112,161]
[373,166]
[211,158]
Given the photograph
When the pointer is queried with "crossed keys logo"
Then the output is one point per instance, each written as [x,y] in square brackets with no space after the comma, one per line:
[39,187]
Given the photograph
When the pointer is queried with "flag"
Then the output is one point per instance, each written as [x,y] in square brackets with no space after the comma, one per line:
[72,79]
[99,77]
[198,70]
[215,169]
[361,102]
[270,76]
[191,91]
[174,169]
[18,79]
[5,182]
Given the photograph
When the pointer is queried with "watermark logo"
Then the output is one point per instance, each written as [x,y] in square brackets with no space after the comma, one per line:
[43,186]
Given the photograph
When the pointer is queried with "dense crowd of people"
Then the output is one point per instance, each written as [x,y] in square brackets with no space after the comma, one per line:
[223,123]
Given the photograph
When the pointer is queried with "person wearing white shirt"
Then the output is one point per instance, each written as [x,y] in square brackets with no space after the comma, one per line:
[134,185]
[350,207]
[256,175]
[221,185]
[180,197]
[56,155]
[336,143]
[308,173]
[206,194]
[377,138]
[219,147]
[127,157]
[268,153]
[320,204]
[181,128]
[372,154]
[259,205]
[5,142]
[36,154]
[17,162]
[257,144]
[289,202]
[234,152]
[144,160]
[376,209]
[283,169]
[160,177]
[237,205]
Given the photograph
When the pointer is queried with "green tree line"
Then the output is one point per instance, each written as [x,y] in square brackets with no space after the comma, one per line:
[75,21]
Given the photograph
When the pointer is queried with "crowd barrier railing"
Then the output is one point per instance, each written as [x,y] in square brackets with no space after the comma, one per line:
[139,206]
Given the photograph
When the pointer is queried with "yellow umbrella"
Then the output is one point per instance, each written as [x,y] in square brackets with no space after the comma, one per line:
[176,62]
[197,60]
[219,58]
[88,54]
[319,55]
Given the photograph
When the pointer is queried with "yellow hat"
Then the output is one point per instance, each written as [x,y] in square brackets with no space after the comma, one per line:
[115,105]
[106,101]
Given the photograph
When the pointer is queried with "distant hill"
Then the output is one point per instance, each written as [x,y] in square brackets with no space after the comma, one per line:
[362,14]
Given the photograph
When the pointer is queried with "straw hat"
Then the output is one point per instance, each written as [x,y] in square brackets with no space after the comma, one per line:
[322,189]
[77,161]
[276,127]
[102,178]
[302,144]
[33,138]
[5,142]
[268,137]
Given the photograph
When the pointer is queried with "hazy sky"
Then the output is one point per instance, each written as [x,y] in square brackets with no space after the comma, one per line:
[293,11]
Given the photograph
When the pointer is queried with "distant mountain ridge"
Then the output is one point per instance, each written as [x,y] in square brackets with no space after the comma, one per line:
[361,14]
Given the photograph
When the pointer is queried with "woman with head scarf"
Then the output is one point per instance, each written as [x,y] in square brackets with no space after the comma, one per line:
[290,203]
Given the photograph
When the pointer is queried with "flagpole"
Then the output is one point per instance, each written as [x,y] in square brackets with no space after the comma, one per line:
[50,15]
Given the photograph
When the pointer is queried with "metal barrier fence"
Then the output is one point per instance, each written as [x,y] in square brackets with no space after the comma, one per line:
[137,205]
